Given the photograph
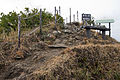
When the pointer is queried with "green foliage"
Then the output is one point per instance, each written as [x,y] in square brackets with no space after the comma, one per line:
[117,76]
[30,22]
[9,22]
[91,22]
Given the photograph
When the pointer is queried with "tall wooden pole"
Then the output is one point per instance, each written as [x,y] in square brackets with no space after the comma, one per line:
[66,20]
[59,15]
[59,10]
[74,18]
[70,15]
[55,19]
[19,22]
[40,21]
[77,17]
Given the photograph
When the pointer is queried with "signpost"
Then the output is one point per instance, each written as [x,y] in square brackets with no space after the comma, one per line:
[106,21]
[86,17]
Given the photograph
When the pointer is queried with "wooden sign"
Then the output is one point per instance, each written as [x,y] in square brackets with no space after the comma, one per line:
[105,21]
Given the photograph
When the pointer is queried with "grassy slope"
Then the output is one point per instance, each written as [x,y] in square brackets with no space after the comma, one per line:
[87,59]
[83,62]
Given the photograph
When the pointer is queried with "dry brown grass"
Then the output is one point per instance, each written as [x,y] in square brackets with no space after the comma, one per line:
[89,61]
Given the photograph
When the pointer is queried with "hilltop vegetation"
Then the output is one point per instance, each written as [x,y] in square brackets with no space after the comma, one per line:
[83,58]
[72,56]
[9,22]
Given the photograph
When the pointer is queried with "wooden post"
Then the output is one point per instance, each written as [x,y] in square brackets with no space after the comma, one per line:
[77,17]
[19,22]
[103,34]
[74,18]
[70,15]
[109,29]
[40,21]
[86,23]
[88,33]
[83,22]
[66,20]
[99,25]
[55,19]
[59,15]
[59,10]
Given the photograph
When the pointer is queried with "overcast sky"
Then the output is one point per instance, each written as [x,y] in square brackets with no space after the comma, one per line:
[99,9]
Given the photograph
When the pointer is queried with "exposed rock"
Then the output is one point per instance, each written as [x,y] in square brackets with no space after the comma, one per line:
[67,31]
[56,32]
[57,41]
[57,46]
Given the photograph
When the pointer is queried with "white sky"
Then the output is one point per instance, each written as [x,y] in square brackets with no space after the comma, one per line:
[100,9]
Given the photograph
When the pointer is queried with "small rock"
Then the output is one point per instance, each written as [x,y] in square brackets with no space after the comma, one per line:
[65,41]
[56,32]
[77,37]
[57,41]
[66,26]
[67,31]
[59,32]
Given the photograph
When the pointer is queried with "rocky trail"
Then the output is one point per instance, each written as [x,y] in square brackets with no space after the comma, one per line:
[27,66]
[36,55]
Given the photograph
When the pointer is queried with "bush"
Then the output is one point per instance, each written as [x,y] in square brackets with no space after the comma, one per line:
[9,22]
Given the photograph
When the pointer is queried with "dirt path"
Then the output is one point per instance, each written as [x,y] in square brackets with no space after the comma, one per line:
[22,68]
